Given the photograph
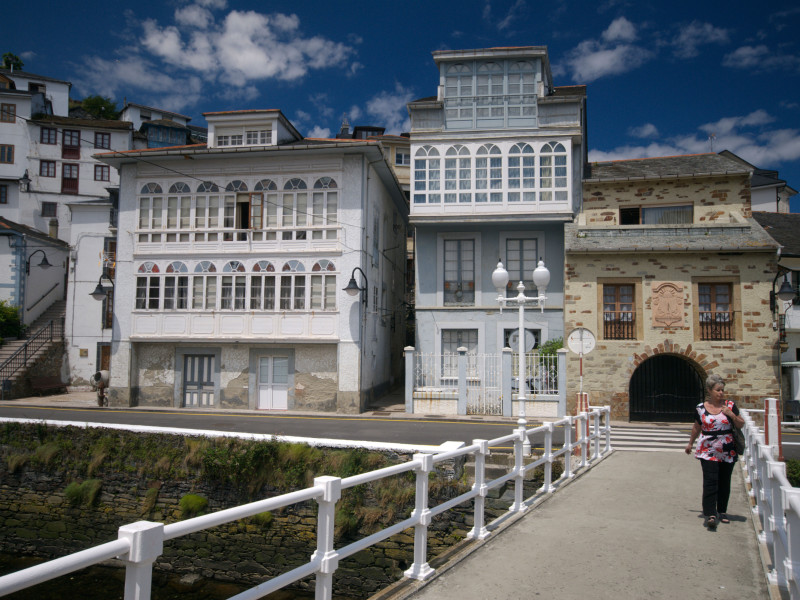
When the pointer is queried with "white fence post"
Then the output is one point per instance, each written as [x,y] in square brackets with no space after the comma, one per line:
[409,352]
[519,473]
[791,503]
[772,425]
[147,544]
[479,531]
[596,433]
[568,429]
[421,570]
[584,427]
[776,471]
[506,375]
[462,380]
[561,353]
[325,556]
[607,413]
[547,487]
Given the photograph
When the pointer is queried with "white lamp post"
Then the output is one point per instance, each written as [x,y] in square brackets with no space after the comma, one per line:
[541,277]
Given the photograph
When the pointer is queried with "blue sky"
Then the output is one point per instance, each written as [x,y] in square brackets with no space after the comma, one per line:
[663,78]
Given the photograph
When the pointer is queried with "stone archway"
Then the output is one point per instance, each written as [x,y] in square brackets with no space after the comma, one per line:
[667,383]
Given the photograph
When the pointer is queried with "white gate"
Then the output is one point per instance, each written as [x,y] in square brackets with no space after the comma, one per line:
[484,388]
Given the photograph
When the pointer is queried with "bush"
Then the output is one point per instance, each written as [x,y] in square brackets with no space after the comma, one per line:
[793,471]
[83,493]
[10,325]
[192,504]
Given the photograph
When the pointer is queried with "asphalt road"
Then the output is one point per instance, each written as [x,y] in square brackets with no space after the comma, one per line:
[433,431]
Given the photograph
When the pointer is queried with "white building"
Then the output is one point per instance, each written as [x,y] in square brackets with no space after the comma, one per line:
[231,268]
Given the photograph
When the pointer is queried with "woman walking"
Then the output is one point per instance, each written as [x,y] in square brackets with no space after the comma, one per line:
[714,420]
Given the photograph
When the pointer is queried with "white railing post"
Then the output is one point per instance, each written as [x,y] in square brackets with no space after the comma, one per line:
[519,473]
[462,380]
[325,556]
[791,503]
[547,487]
[772,425]
[607,412]
[506,373]
[568,447]
[147,543]
[776,472]
[410,381]
[596,434]
[479,531]
[764,498]
[584,427]
[420,569]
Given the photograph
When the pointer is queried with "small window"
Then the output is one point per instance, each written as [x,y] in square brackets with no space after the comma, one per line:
[47,168]
[72,138]
[3,194]
[6,154]
[102,140]
[48,135]
[715,311]
[402,158]
[101,172]
[49,209]
[619,312]
[8,113]
[657,215]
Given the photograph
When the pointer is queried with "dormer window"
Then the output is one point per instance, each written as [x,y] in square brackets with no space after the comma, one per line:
[657,215]
[259,137]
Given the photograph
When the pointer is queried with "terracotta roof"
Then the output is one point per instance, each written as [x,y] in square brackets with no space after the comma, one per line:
[783,228]
[663,167]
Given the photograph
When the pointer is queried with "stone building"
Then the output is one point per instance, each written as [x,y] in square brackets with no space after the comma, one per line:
[667,268]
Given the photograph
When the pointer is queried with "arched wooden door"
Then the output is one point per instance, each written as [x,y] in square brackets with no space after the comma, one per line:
[665,388]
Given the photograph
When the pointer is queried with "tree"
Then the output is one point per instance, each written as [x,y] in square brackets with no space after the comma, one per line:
[100,107]
[11,60]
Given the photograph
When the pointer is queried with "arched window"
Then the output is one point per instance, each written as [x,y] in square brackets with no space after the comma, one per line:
[151,208]
[324,209]
[324,183]
[265,184]
[262,286]
[148,287]
[204,286]
[553,173]
[521,173]
[489,174]
[293,286]
[458,91]
[207,186]
[233,288]
[236,186]
[294,210]
[323,286]
[427,176]
[457,175]
[176,287]
[521,89]
[179,187]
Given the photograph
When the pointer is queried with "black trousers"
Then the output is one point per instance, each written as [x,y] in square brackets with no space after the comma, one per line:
[716,486]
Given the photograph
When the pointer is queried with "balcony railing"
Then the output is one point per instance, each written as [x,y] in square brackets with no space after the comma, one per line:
[716,326]
[619,325]
[293,238]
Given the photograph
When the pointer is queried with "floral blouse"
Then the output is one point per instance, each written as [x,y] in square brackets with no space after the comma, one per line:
[713,443]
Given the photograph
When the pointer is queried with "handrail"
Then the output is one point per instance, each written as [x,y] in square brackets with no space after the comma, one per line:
[140,544]
[54,286]
[52,330]
[777,505]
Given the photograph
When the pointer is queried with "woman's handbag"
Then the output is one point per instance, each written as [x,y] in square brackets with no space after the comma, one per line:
[738,439]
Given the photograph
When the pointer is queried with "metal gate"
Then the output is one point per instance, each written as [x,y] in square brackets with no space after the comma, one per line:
[484,390]
[665,388]
[198,380]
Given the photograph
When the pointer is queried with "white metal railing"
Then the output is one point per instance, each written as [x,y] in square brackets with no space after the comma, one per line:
[777,503]
[140,544]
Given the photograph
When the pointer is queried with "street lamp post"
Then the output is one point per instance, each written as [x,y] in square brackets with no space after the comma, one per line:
[541,277]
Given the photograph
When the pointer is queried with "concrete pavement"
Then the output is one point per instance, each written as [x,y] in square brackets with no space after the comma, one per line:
[631,527]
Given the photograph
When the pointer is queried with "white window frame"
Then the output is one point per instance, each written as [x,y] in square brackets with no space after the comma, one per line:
[479,276]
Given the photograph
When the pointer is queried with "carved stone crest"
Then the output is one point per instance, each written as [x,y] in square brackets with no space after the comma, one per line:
[668,304]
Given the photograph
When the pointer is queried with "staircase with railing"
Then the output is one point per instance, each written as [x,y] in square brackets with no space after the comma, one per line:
[17,356]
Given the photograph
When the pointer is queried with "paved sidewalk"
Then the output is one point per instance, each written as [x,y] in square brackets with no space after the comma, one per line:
[631,527]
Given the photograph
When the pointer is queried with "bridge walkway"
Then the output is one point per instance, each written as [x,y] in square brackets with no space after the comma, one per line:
[631,527]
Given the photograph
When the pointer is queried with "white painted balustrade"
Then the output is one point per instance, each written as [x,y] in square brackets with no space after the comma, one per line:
[777,503]
[140,544]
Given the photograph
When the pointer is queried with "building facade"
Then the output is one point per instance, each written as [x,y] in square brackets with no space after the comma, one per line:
[498,156]
[666,267]
[229,290]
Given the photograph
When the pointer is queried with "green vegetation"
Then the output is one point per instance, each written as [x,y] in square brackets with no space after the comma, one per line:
[192,505]
[100,107]
[10,325]
[263,519]
[793,471]
[550,347]
[12,60]
[83,493]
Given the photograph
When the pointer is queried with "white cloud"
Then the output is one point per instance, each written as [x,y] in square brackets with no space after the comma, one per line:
[390,109]
[319,132]
[748,136]
[504,22]
[696,34]
[760,57]
[648,130]
[620,30]
[592,60]
[193,16]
